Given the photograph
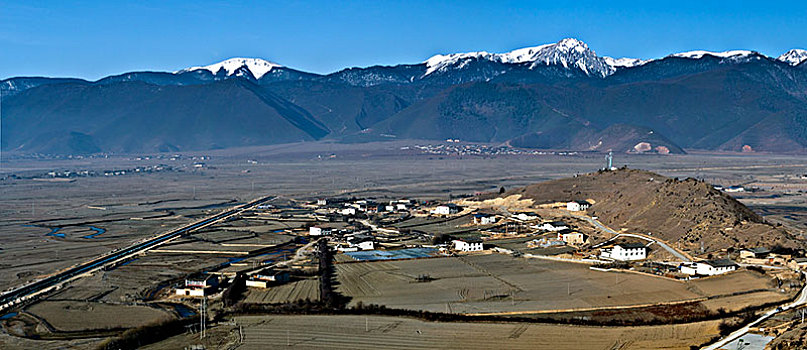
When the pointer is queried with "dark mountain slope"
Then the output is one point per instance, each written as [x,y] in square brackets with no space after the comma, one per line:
[134,116]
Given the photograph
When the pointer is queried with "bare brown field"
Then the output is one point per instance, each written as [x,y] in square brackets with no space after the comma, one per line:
[739,281]
[286,293]
[495,283]
[71,316]
[738,302]
[378,332]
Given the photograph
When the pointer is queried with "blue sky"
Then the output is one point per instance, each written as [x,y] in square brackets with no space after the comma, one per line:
[92,39]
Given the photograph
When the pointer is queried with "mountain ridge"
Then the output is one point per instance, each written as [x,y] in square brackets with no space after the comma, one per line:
[557,96]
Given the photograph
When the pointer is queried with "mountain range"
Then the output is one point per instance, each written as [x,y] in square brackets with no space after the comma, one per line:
[554,96]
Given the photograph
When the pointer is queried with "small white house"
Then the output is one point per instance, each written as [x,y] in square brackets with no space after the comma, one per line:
[553,226]
[734,189]
[361,242]
[322,202]
[199,286]
[484,219]
[254,283]
[577,205]
[625,252]
[366,245]
[715,267]
[689,268]
[446,209]
[272,276]
[347,211]
[468,244]
[319,231]
[526,216]
[192,292]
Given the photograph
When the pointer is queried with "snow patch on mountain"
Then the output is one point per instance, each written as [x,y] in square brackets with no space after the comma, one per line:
[793,57]
[569,53]
[256,66]
[698,54]
[624,62]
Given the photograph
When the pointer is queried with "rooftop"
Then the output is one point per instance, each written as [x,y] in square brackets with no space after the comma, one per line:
[630,245]
[720,263]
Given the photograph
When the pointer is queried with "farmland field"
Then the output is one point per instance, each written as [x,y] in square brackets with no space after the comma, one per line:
[378,332]
[78,316]
[286,293]
[499,283]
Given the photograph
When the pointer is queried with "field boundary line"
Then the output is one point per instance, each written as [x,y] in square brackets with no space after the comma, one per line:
[586,309]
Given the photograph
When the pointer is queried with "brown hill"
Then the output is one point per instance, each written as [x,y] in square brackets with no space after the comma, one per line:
[689,213]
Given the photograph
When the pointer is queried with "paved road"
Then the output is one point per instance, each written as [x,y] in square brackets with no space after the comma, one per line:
[615,234]
[801,300]
[28,291]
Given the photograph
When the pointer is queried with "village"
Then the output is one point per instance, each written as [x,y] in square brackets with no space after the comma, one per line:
[367,230]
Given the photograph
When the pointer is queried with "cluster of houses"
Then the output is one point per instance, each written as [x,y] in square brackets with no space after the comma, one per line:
[364,206]
[202,285]
[347,240]
[764,256]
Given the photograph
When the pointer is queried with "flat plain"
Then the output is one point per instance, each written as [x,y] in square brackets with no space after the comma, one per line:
[497,284]
[46,226]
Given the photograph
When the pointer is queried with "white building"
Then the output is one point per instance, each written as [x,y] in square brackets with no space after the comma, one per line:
[258,283]
[553,226]
[361,242]
[199,286]
[710,267]
[318,231]
[734,189]
[272,276]
[322,202]
[468,244]
[484,219]
[192,292]
[577,205]
[526,216]
[446,209]
[625,252]
[347,211]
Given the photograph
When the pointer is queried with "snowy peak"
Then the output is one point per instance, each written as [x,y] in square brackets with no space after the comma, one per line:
[237,66]
[793,57]
[569,53]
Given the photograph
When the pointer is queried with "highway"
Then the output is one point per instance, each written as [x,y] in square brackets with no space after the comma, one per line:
[31,290]
[801,300]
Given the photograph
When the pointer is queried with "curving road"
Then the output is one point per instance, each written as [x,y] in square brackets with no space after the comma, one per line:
[26,292]
[615,234]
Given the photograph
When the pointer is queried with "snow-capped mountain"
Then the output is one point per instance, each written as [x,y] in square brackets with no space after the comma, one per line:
[794,57]
[256,66]
[569,53]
